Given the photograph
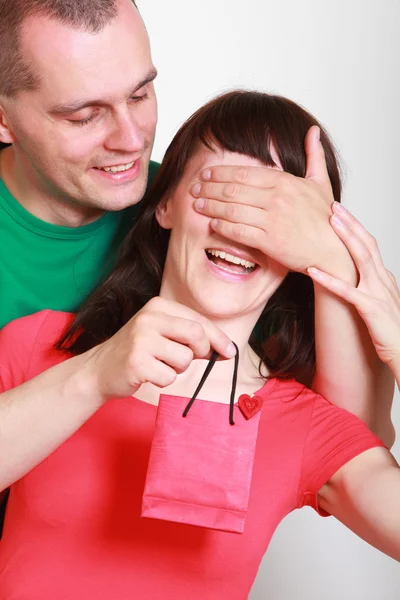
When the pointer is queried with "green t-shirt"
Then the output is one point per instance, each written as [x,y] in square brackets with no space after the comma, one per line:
[48,266]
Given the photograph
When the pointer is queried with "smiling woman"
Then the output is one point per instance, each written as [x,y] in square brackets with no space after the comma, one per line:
[239,128]
[178,291]
[236,264]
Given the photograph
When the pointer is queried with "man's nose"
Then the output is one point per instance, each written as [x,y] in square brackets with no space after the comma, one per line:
[125,134]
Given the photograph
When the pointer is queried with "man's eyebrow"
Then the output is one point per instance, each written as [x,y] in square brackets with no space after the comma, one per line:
[71,107]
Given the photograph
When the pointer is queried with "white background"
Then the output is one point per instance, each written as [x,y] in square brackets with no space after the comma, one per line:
[341,61]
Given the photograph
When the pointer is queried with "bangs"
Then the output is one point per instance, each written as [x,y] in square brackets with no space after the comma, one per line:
[255,124]
[251,123]
[236,126]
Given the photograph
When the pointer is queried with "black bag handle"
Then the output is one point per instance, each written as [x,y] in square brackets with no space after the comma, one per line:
[206,373]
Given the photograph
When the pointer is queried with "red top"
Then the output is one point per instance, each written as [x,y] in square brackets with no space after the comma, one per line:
[73,528]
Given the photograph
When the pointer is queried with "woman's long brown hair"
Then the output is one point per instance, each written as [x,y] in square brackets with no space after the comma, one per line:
[244,122]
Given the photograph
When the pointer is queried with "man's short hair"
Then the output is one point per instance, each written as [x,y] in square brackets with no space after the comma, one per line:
[16,72]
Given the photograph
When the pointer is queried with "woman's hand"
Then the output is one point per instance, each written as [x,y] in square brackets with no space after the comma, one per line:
[377,296]
[158,343]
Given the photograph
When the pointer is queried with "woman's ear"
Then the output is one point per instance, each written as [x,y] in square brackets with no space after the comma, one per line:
[164,214]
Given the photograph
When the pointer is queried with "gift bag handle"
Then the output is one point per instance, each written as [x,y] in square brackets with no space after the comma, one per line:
[206,373]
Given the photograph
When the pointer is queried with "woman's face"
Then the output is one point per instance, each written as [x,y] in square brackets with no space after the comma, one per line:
[214,276]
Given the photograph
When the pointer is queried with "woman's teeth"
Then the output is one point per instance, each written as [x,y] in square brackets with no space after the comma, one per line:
[118,169]
[229,258]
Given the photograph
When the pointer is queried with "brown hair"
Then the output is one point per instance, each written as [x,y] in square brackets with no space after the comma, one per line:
[242,122]
[16,72]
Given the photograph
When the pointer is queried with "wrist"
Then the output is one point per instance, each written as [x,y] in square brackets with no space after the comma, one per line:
[339,263]
[82,382]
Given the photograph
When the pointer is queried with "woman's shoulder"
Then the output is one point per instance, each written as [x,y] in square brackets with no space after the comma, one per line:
[27,344]
[47,323]
[295,395]
[288,391]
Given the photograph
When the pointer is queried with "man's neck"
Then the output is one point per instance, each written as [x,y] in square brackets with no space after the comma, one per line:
[41,204]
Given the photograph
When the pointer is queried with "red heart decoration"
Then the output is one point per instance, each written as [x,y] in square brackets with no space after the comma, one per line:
[250,405]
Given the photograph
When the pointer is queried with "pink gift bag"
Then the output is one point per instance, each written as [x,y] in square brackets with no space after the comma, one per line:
[201,462]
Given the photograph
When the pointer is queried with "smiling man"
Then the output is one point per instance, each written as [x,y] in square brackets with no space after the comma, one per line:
[77,105]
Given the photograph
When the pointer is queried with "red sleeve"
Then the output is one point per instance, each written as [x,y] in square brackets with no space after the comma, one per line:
[17,343]
[334,437]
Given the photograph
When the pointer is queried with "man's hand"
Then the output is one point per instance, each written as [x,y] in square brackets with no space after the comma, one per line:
[285,217]
[158,343]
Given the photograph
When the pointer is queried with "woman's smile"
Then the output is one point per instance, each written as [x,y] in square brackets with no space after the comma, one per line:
[230,265]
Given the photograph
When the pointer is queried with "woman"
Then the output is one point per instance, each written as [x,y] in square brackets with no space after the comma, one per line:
[73,526]
[376,297]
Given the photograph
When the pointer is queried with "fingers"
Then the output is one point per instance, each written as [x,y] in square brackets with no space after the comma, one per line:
[355,226]
[158,373]
[235,213]
[217,339]
[361,245]
[360,232]
[231,193]
[338,287]
[175,355]
[392,279]
[246,235]
[315,157]
[259,177]
[184,331]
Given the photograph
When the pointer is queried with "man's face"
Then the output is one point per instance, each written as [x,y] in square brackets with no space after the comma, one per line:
[85,136]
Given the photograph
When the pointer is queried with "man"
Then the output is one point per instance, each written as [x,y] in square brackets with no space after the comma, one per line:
[69,186]
[77,105]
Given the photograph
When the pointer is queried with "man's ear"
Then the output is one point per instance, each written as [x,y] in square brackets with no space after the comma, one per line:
[164,214]
[6,134]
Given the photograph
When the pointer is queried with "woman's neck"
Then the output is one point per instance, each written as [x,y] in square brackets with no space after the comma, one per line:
[238,327]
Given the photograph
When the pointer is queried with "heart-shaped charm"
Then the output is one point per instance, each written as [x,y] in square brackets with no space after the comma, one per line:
[249,405]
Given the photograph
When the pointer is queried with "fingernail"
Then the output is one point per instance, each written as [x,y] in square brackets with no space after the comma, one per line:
[318,134]
[199,204]
[206,175]
[339,207]
[338,222]
[196,189]
[231,350]
[312,271]
[214,223]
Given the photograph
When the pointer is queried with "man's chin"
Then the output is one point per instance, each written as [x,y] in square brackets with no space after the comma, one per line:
[119,197]
[120,201]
